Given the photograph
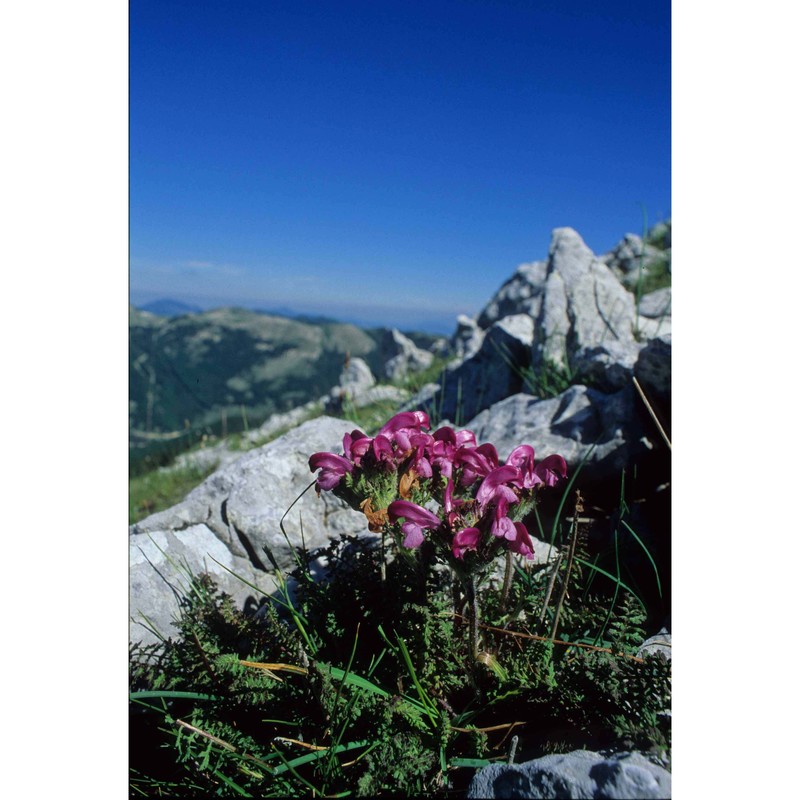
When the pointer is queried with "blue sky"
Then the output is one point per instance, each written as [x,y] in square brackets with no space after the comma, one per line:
[390,162]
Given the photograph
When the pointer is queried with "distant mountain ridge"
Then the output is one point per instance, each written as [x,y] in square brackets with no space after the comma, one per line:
[167,307]
[236,367]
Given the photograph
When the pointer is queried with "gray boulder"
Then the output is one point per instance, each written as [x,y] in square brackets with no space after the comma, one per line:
[631,254]
[608,366]
[390,395]
[355,380]
[657,304]
[236,511]
[655,314]
[468,337]
[520,294]
[404,356]
[161,565]
[494,372]
[653,368]
[569,425]
[580,774]
[356,376]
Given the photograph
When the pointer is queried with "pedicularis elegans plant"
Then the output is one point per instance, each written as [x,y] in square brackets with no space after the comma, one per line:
[440,493]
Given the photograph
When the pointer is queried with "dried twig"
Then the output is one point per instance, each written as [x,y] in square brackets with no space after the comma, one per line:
[209,736]
[550,585]
[652,413]
[521,635]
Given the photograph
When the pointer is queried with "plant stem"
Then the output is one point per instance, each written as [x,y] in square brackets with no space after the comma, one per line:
[472,599]
[383,558]
[570,559]
[507,579]
[206,662]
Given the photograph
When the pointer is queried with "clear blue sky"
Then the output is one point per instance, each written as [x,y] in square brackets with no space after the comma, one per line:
[386,161]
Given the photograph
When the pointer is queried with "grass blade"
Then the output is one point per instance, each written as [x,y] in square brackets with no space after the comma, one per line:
[647,553]
[616,580]
[171,695]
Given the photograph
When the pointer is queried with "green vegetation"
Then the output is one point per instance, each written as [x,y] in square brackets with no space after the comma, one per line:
[362,682]
[548,380]
[228,368]
[160,489]
[656,273]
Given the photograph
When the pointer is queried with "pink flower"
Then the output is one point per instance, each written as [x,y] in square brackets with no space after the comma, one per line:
[522,544]
[420,464]
[444,445]
[333,469]
[502,526]
[551,470]
[356,445]
[464,540]
[416,519]
[477,462]
[406,420]
[522,458]
[383,451]
[494,486]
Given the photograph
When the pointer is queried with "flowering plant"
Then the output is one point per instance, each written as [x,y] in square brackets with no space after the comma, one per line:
[397,476]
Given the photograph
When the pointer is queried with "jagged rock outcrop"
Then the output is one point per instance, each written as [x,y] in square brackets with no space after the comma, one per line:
[494,372]
[357,387]
[404,357]
[580,774]
[567,318]
[573,298]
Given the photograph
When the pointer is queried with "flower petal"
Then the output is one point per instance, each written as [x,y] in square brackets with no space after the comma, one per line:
[464,540]
[522,544]
[494,485]
[332,468]
[504,528]
[355,445]
[329,461]
[414,535]
[551,469]
[382,448]
[411,512]
[406,419]
[477,462]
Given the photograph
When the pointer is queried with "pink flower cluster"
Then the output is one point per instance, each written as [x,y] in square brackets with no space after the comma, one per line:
[480,500]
